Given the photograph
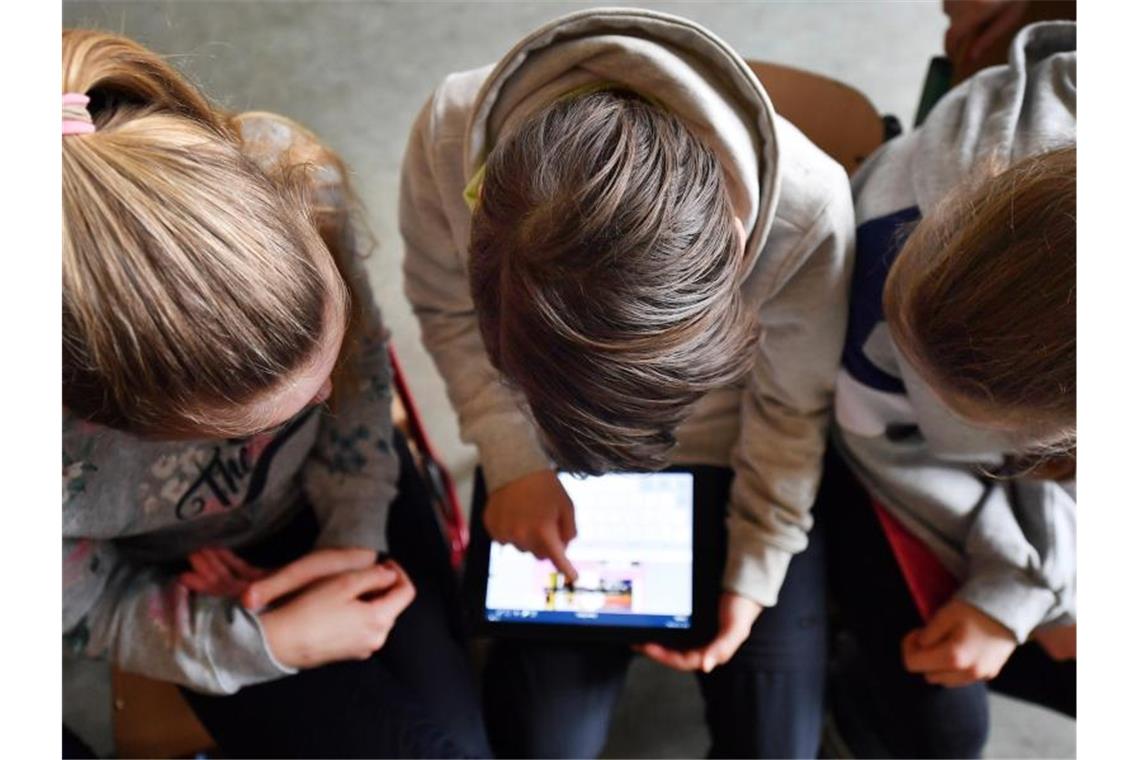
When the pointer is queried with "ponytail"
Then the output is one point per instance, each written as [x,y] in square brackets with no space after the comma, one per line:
[193,281]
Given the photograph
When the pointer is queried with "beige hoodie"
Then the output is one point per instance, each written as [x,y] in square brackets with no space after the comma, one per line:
[795,203]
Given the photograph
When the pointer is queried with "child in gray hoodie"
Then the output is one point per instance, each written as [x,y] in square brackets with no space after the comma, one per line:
[615,220]
[956,410]
[229,463]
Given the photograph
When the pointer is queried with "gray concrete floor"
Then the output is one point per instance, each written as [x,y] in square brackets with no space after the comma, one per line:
[357,72]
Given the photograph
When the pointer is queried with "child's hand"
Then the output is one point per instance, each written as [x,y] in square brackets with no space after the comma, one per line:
[299,573]
[737,615]
[959,646]
[1059,642]
[341,617]
[219,572]
[535,514]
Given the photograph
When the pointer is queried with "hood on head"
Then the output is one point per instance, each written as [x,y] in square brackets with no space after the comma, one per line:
[674,62]
[1005,113]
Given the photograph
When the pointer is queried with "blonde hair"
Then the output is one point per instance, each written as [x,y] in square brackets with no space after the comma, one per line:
[193,281]
[605,271]
[982,299]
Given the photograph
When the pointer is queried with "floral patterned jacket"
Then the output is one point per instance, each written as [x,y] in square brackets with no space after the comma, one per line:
[133,508]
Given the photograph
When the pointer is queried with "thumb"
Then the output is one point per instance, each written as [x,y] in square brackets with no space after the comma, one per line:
[721,649]
[939,627]
[737,614]
[714,654]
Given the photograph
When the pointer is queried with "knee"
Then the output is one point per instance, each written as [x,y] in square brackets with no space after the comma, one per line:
[540,731]
[956,723]
[966,738]
[551,701]
[527,719]
[758,713]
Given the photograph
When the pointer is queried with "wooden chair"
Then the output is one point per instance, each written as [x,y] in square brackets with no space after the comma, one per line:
[151,719]
[835,116]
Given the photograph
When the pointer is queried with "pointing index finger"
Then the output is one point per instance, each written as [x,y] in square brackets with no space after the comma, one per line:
[555,549]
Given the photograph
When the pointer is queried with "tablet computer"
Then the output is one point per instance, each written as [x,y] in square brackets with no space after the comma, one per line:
[649,553]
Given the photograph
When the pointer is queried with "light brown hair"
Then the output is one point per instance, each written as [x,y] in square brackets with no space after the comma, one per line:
[193,281]
[605,269]
[982,299]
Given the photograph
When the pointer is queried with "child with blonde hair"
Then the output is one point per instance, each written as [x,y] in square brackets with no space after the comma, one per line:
[230,472]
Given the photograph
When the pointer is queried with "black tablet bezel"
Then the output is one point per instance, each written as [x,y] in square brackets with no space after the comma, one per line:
[710,495]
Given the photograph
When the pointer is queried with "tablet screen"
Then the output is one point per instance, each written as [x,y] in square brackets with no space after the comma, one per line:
[633,553]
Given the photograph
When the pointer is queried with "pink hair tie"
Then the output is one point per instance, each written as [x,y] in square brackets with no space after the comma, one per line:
[76,117]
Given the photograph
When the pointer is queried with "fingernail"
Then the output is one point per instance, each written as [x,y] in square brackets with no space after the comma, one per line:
[708,665]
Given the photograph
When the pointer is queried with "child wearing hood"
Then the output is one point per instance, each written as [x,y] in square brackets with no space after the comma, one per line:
[956,412]
[622,257]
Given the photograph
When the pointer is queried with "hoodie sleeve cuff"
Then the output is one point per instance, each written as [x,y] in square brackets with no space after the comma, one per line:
[508,450]
[756,571]
[240,655]
[1010,599]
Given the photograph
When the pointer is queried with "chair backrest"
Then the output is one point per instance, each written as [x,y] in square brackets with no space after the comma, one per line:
[836,117]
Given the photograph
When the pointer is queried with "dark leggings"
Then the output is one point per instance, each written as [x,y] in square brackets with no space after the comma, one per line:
[552,700]
[414,698]
[881,708]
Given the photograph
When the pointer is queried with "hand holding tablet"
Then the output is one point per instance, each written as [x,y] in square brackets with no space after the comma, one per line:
[737,615]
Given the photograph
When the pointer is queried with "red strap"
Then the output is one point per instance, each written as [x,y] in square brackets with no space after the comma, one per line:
[438,476]
[931,584]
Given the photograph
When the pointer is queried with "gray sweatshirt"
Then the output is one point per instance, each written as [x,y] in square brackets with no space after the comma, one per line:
[795,203]
[1010,542]
[131,507]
